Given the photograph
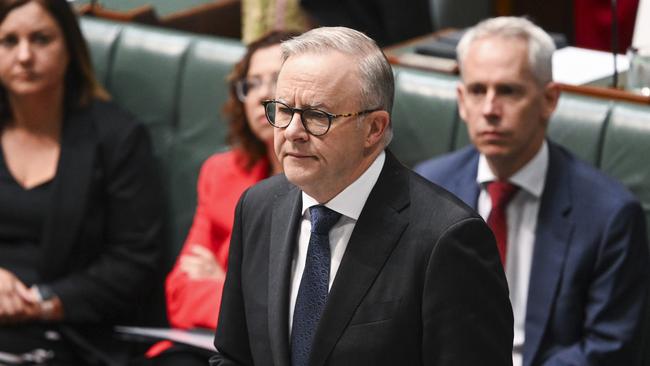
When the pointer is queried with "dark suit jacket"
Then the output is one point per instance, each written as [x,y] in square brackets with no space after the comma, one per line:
[101,238]
[420,282]
[588,275]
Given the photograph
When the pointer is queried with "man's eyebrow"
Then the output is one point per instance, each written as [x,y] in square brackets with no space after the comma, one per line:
[475,84]
[514,86]
[316,105]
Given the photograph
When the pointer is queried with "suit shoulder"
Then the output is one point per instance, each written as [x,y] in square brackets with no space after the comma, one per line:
[267,189]
[436,215]
[594,187]
[429,199]
[439,168]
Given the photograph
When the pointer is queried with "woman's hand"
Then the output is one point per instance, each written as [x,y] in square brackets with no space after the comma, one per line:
[17,302]
[200,263]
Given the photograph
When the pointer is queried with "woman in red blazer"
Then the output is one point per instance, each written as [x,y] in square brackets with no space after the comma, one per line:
[194,285]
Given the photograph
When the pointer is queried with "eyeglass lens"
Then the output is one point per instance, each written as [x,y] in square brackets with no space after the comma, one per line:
[316,122]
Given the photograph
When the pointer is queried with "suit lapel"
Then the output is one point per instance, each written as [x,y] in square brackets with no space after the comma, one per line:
[376,233]
[70,193]
[553,234]
[284,227]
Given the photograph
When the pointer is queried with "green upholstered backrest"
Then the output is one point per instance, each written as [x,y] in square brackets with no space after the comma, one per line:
[145,77]
[626,150]
[101,38]
[201,127]
[203,92]
[462,137]
[424,115]
[578,124]
[174,82]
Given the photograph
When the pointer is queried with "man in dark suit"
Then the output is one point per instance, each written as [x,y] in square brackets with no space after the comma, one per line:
[395,269]
[573,241]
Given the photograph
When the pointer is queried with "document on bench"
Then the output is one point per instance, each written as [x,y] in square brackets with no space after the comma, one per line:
[200,339]
[579,66]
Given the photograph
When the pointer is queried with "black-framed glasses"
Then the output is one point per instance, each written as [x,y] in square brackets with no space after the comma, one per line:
[315,121]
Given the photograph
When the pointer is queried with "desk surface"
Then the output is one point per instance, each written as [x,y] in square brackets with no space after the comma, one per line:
[403,54]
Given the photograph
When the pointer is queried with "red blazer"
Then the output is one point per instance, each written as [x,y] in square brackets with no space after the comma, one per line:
[223,178]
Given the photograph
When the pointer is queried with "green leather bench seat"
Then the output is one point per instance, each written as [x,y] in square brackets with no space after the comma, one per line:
[175,83]
[101,37]
[145,78]
[626,150]
[578,123]
[200,128]
[425,115]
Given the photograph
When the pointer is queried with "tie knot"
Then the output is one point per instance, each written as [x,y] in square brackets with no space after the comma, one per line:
[501,192]
[322,219]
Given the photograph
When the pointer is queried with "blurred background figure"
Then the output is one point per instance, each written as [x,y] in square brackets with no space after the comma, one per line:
[79,203]
[386,21]
[259,17]
[195,283]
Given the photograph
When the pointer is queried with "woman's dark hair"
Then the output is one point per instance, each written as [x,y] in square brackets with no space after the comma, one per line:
[81,85]
[239,133]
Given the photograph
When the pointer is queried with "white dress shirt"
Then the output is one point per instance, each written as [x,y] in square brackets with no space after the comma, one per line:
[522,221]
[349,204]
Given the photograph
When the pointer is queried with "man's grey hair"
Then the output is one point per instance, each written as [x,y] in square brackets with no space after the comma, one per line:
[540,44]
[376,76]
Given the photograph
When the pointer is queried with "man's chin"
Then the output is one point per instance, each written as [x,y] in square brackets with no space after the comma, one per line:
[495,152]
[296,175]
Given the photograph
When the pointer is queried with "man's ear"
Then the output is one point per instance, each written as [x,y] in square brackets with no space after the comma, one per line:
[378,124]
[551,97]
[460,96]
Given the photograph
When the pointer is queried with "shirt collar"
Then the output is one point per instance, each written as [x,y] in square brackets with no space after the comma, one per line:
[351,200]
[530,177]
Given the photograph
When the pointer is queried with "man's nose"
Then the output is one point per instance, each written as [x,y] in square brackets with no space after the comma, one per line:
[491,104]
[296,130]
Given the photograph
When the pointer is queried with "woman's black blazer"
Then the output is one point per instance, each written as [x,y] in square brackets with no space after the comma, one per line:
[101,241]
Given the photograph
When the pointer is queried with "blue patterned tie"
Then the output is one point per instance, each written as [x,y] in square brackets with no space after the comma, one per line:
[313,290]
